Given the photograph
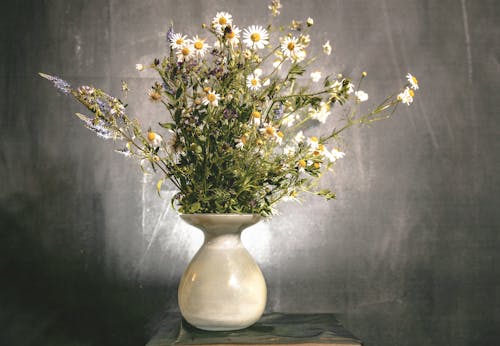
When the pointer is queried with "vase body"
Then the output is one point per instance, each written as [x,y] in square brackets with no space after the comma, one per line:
[222,287]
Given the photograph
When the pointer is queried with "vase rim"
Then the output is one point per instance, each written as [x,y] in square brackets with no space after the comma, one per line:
[221,223]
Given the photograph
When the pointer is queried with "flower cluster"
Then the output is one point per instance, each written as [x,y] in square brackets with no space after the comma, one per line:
[240,133]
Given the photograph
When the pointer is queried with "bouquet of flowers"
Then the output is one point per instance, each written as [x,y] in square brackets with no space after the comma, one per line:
[237,103]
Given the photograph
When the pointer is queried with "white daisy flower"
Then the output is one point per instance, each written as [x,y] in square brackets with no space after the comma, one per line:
[256,117]
[233,36]
[185,53]
[253,81]
[211,99]
[316,76]
[361,96]
[291,48]
[139,67]
[279,137]
[221,21]
[268,130]
[313,142]
[406,96]
[255,37]
[154,138]
[413,81]
[240,142]
[327,49]
[299,137]
[333,155]
[322,113]
[199,45]
[272,133]
[178,40]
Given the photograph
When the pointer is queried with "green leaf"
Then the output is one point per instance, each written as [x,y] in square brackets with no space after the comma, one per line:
[158,186]
[195,207]
[168,126]
[326,194]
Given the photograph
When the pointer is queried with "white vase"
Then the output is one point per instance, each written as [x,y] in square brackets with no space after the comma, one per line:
[222,288]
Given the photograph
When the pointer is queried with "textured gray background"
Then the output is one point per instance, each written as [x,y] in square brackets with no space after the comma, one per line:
[409,252]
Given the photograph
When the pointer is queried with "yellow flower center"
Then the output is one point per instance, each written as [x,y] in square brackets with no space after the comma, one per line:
[412,93]
[254,82]
[222,20]
[259,142]
[270,130]
[280,134]
[185,51]
[315,153]
[230,35]
[302,163]
[255,37]
[206,89]
[211,97]
[316,165]
[256,114]
[198,45]
[151,136]
[314,139]
[291,46]
[415,81]
[179,41]
[321,147]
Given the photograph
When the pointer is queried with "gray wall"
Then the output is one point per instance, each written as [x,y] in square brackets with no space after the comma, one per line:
[408,252]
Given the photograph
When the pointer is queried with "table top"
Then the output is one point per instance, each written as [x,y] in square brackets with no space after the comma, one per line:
[271,329]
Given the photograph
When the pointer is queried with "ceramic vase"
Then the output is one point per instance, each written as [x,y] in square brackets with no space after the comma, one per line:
[222,288]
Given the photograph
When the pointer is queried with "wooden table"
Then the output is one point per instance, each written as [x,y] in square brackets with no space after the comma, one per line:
[271,329]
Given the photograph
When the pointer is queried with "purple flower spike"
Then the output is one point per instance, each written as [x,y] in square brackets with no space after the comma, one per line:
[59,83]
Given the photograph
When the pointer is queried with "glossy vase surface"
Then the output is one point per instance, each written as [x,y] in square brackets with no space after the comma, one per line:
[222,288]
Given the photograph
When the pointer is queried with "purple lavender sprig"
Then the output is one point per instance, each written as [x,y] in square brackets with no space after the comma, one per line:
[59,83]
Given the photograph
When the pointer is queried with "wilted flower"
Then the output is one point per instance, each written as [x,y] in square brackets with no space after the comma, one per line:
[361,96]
[327,49]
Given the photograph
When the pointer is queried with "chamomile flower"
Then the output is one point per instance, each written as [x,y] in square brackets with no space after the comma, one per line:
[253,80]
[154,139]
[361,96]
[185,53]
[178,40]
[406,96]
[270,132]
[322,113]
[221,21]
[301,165]
[199,45]
[333,155]
[316,76]
[240,142]
[256,37]
[256,117]
[211,99]
[279,137]
[413,81]
[232,35]
[292,49]
[313,142]
[327,49]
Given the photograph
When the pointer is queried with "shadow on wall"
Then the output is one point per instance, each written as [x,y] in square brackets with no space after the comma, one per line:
[55,289]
